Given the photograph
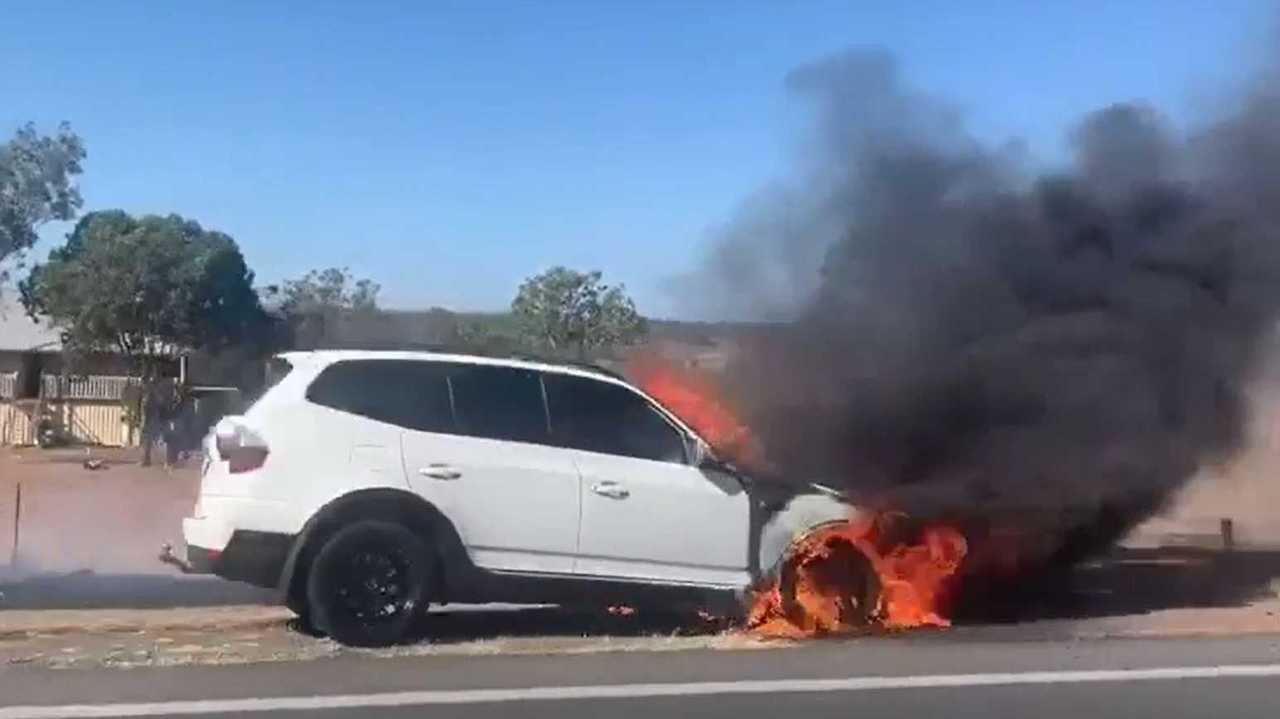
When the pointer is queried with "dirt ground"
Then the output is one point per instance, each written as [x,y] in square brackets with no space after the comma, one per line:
[1247,493]
[110,520]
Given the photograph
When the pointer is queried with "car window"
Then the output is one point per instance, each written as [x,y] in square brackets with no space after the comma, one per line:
[503,403]
[410,394]
[604,417]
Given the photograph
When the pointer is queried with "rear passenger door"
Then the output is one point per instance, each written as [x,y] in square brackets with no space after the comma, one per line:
[486,463]
[646,513]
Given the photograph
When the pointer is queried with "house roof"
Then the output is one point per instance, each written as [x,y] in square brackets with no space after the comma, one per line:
[18,333]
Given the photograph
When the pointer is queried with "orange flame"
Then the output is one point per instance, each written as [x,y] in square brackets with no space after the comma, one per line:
[843,578]
[692,396]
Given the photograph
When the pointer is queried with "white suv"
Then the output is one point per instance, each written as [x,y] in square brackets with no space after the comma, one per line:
[365,485]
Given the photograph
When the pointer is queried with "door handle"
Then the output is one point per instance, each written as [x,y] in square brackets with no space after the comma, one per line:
[439,471]
[611,489]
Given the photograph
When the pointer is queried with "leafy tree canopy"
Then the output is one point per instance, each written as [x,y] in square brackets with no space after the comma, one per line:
[148,287]
[37,174]
[569,312]
[324,290]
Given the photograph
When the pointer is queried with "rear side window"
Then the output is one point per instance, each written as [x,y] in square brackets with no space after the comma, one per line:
[409,394]
[504,403]
[604,417]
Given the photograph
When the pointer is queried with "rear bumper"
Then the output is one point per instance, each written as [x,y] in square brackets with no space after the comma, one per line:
[256,558]
[206,533]
[239,538]
[200,560]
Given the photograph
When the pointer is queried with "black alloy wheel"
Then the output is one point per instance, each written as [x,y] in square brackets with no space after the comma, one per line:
[368,584]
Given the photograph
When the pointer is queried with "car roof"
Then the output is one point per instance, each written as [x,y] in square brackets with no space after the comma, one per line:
[320,358]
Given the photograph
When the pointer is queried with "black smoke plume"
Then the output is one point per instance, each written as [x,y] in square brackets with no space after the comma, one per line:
[963,336]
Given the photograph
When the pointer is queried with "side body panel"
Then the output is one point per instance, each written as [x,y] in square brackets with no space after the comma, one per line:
[661,521]
[515,505]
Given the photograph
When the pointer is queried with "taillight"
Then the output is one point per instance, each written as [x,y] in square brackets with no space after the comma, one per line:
[243,448]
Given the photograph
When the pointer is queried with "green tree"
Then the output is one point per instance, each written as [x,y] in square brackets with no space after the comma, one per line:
[330,289]
[36,186]
[568,312]
[315,305]
[150,288]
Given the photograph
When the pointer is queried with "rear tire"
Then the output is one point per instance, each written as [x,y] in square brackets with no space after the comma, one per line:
[368,584]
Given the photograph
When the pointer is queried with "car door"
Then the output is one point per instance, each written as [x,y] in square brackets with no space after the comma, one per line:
[646,513]
[489,468]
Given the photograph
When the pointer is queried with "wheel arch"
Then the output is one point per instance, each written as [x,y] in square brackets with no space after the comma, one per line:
[802,516]
[385,503]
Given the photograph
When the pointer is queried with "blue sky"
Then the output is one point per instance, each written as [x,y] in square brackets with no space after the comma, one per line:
[448,149]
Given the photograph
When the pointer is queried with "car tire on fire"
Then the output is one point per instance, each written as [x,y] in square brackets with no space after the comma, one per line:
[368,584]
[847,568]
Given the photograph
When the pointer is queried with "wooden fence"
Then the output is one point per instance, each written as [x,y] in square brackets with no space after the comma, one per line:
[89,410]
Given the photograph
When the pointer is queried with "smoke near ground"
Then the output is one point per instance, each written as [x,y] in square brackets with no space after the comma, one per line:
[962,335]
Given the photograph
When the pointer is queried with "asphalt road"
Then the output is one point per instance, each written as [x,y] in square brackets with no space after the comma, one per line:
[925,676]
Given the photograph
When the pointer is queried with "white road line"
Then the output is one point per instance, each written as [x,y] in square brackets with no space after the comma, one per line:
[627,691]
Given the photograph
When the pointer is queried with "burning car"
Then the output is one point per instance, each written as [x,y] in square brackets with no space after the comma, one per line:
[366,485]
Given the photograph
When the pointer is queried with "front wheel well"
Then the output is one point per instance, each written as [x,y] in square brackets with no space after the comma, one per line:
[391,505]
[773,562]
